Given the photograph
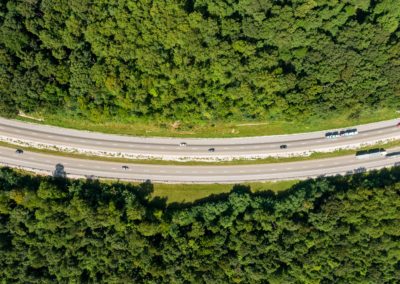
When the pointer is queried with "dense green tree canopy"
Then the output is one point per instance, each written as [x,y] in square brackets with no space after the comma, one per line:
[335,230]
[199,59]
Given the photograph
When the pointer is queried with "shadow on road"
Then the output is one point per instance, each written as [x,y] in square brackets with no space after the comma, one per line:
[59,171]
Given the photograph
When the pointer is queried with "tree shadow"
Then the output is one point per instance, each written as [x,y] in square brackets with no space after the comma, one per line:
[59,171]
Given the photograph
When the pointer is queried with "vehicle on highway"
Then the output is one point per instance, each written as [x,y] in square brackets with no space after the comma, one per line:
[372,153]
[182,144]
[125,167]
[284,146]
[342,133]
[211,150]
[352,131]
[393,155]
[331,135]
[397,164]
[398,125]
[19,151]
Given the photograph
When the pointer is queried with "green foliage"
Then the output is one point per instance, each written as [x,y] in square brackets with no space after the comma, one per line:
[336,230]
[198,59]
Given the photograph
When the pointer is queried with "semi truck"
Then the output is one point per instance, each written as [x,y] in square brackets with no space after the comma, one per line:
[372,153]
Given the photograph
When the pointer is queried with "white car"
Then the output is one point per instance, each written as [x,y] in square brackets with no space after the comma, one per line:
[182,144]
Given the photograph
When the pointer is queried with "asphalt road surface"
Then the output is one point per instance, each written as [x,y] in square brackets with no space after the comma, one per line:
[74,168]
[169,149]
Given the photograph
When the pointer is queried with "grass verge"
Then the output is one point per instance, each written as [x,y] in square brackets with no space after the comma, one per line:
[212,129]
[193,192]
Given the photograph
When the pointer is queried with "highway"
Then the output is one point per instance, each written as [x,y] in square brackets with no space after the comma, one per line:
[42,136]
[77,168]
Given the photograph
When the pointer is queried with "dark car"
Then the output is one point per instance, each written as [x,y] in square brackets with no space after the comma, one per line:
[19,151]
[211,150]
[125,167]
[398,125]
[284,146]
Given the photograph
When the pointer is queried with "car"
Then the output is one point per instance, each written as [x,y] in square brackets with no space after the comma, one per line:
[343,133]
[284,146]
[211,150]
[398,125]
[19,151]
[125,167]
[328,135]
[352,131]
[182,144]
[335,134]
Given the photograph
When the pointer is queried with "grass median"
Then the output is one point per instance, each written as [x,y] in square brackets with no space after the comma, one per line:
[313,156]
[215,129]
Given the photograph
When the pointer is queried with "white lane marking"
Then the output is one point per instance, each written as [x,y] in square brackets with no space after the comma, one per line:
[115,144]
[194,172]
[210,172]
[50,136]
[113,168]
[98,143]
[273,169]
[288,168]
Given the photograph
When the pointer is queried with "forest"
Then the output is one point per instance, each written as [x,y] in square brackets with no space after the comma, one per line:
[343,229]
[199,59]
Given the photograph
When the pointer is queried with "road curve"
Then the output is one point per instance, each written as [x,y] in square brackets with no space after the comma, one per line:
[43,136]
[76,168]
